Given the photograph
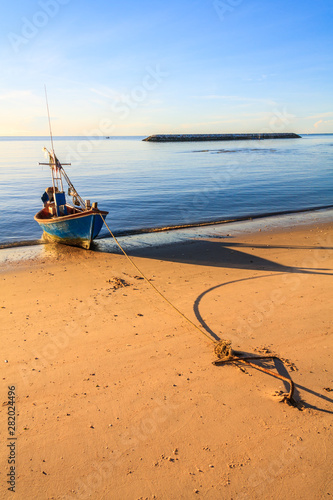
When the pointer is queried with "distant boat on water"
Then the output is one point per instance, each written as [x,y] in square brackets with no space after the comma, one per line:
[77,223]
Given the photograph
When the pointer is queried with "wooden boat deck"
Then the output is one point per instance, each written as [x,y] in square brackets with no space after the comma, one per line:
[49,212]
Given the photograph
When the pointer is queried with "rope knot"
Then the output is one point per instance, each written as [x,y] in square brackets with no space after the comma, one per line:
[223,349]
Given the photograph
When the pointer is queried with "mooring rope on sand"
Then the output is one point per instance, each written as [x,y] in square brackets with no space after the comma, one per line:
[222,347]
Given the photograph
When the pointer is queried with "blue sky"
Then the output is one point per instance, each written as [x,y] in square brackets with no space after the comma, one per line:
[139,68]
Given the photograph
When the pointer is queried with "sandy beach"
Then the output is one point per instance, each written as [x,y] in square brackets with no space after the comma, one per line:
[116,393]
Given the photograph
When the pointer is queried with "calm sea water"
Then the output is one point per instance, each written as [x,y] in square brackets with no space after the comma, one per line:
[148,185]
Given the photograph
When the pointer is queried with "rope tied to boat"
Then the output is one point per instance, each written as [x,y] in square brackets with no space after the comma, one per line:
[222,348]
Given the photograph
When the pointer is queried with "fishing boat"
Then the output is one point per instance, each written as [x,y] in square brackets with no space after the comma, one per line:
[77,223]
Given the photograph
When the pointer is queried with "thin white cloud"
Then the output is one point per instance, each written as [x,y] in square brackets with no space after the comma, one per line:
[323,123]
[15,94]
[227,120]
[237,98]
[320,116]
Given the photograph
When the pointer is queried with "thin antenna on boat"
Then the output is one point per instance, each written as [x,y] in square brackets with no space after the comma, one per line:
[48,114]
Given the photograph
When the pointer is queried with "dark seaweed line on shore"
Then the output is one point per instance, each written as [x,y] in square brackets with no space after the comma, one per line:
[216,222]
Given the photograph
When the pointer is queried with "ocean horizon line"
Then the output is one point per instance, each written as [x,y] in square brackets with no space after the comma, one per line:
[106,137]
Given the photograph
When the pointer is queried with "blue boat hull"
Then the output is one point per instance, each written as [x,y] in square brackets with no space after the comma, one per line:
[77,229]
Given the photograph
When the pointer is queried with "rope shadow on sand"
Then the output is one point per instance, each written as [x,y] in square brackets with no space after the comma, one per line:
[279,366]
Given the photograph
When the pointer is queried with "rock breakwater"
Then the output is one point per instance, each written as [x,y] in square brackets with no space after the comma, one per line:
[218,137]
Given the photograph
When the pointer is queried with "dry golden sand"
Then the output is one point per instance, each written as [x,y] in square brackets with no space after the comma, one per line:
[117,397]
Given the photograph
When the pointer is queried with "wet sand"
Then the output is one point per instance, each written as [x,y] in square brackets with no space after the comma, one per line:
[117,396]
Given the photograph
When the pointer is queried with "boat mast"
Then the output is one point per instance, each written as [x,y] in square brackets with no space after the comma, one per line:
[48,114]
[51,157]
[57,170]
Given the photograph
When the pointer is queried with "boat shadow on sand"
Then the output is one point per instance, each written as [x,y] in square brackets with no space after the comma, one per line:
[233,255]
[230,254]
